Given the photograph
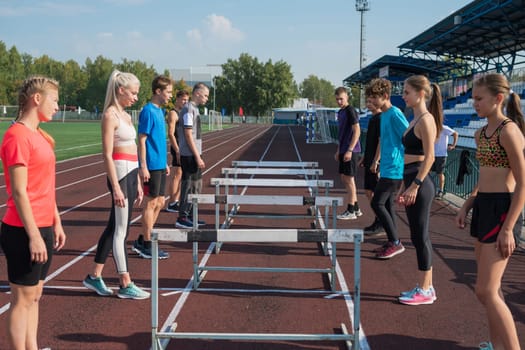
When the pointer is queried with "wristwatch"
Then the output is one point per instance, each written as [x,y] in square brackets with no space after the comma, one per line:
[418,181]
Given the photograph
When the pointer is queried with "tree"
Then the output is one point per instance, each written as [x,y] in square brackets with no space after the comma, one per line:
[318,91]
[254,86]
[98,72]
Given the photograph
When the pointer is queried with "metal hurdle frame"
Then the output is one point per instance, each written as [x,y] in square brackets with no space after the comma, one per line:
[238,235]
[227,182]
[263,200]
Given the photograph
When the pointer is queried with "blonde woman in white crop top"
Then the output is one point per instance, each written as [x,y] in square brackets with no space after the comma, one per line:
[119,150]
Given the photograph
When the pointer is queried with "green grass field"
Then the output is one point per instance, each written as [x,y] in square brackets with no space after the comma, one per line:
[72,139]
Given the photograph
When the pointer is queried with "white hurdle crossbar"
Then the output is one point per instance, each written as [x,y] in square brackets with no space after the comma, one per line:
[227,182]
[264,235]
[272,171]
[275,164]
[237,200]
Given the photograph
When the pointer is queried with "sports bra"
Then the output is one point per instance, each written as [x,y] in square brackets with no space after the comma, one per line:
[490,152]
[125,134]
[413,145]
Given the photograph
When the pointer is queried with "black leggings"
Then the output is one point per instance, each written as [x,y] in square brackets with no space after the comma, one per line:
[418,216]
[383,205]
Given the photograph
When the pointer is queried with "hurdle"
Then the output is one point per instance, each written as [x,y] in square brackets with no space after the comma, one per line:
[274,164]
[227,182]
[237,200]
[354,236]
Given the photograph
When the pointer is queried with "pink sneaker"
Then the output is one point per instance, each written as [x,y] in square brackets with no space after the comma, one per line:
[412,291]
[390,251]
[418,297]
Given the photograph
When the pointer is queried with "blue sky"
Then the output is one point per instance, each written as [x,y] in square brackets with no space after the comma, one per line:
[314,37]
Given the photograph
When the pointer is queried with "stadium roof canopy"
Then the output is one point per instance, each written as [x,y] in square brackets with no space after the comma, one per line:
[486,34]
[398,68]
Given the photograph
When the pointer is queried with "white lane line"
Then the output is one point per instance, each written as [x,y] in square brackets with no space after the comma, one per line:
[4,308]
[363,343]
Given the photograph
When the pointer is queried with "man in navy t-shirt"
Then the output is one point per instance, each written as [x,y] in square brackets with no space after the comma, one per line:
[348,151]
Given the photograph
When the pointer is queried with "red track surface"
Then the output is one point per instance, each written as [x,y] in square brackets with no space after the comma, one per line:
[74,318]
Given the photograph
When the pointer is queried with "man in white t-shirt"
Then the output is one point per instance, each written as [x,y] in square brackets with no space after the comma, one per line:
[441,148]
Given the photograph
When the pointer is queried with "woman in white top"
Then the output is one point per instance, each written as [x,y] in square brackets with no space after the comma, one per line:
[119,149]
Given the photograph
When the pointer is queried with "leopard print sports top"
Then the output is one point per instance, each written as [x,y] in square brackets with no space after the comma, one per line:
[490,152]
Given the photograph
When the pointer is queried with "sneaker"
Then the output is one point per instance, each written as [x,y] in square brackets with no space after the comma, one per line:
[132,292]
[439,195]
[486,345]
[138,244]
[145,252]
[417,297]
[390,251]
[199,223]
[358,212]
[408,293]
[347,215]
[380,249]
[183,223]
[162,254]
[173,207]
[374,229]
[97,284]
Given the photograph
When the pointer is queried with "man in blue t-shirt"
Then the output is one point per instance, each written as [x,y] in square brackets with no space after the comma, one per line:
[348,151]
[153,161]
[392,126]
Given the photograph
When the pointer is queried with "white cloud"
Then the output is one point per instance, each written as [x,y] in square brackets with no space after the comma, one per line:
[221,28]
[194,36]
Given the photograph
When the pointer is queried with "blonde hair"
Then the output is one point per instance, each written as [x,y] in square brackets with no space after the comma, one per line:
[117,80]
[31,86]
[432,95]
[498,84]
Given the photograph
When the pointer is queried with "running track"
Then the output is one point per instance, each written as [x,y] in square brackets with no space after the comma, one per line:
[75,318]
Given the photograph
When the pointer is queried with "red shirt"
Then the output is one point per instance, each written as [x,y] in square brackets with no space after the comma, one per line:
[30,149]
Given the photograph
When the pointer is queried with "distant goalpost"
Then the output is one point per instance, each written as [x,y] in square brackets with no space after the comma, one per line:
[214,120]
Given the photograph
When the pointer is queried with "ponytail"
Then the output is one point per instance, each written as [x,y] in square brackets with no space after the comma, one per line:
[435,107]
[514,111]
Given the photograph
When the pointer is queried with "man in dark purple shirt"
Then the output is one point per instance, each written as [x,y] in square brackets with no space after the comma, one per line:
[348,151]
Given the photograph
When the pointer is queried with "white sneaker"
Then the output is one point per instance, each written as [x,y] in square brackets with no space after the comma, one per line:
[347,215]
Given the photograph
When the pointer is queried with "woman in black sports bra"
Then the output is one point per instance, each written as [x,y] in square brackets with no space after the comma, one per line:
[418,191]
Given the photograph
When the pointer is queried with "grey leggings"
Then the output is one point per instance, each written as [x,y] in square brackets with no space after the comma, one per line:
[117,229]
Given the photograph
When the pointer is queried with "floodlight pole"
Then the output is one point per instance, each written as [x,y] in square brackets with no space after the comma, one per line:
[362,6]
[213,80]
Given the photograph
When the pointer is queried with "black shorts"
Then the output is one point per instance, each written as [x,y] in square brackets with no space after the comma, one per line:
[174,161]
[15,244]
[489,213]
[190,168]
[156,184]
[348,168]
[439,165]
[370,179]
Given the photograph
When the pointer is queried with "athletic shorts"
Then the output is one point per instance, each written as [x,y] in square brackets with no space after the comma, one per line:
[190,168]
[370,179]
[15,244]
[348,168]
[439,165]
[156,184]
[174,161]
[489,213]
